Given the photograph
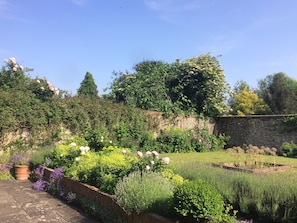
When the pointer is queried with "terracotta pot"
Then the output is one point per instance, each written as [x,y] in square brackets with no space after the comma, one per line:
[21,172]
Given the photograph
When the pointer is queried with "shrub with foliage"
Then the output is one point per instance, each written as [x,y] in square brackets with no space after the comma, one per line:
[199,200]
[112,165]
[144,192]
[177,140]
[289,149]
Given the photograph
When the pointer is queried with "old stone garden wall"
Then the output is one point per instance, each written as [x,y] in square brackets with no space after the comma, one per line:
[258,130]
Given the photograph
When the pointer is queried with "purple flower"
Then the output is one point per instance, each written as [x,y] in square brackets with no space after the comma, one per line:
[39,171]
[57,174]
[6,166]
[70,196]
[39,185]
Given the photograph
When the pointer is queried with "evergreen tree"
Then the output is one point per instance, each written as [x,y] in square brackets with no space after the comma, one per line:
[88,88]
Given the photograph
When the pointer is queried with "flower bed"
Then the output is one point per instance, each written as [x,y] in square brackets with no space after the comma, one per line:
[108,201]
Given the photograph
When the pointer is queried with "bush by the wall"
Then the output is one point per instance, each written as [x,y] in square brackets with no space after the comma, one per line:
[289,149]
[177,140]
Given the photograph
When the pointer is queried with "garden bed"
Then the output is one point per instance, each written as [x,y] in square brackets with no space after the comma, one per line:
[260,168]
[92,193]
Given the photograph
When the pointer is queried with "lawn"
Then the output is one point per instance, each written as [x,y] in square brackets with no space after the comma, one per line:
[270,197]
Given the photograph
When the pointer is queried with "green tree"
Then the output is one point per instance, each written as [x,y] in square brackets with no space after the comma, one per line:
[88,88]
[196,86]
[145,88]
[199,86]
[246,102]
[280,93]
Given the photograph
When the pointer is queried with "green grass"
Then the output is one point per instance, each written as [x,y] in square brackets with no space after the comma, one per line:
[270,197]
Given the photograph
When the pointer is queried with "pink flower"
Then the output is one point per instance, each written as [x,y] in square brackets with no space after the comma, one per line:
[166,160]
[5,60]
[22,68]
[139,154]
[14,68]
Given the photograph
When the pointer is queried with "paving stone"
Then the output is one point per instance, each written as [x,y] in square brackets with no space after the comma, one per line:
[19,203]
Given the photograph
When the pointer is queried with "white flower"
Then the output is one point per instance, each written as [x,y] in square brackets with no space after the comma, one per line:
[83,152]
[14,69]
[124,151]
[148,153]
[82,148]
[22,68]
[166,160]
[61,155]
[5,60]
[147,168]
[152,162]
[12,60]
[139,154]
[42,88]
[155,153]
[73,144]
[87,148]
[77,159]
[110,142]
[56,92]
[38,81]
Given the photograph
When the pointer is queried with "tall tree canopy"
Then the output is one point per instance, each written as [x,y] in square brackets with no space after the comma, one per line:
[196,86]
[199,86]
[244,101]
[88,88]
[280,92]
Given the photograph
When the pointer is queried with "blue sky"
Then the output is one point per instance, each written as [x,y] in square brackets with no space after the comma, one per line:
[63,39]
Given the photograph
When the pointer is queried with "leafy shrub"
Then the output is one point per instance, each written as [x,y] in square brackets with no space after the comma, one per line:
[144,192]
[63,156]
[112,166]
[83,166]
[149,161]
[289,149]
[174,140]
[177,140]
[175,179]
[96,138]
[199,200]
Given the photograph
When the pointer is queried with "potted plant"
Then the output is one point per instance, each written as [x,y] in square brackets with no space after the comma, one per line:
[21,165]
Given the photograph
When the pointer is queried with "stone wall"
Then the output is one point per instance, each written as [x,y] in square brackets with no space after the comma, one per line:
[258,130]
[185,122]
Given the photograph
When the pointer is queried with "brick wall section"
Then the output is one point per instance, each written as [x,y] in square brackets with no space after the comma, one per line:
[257,130]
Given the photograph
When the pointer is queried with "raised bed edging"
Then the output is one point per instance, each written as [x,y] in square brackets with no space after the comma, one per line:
[106,200]
[279,167]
